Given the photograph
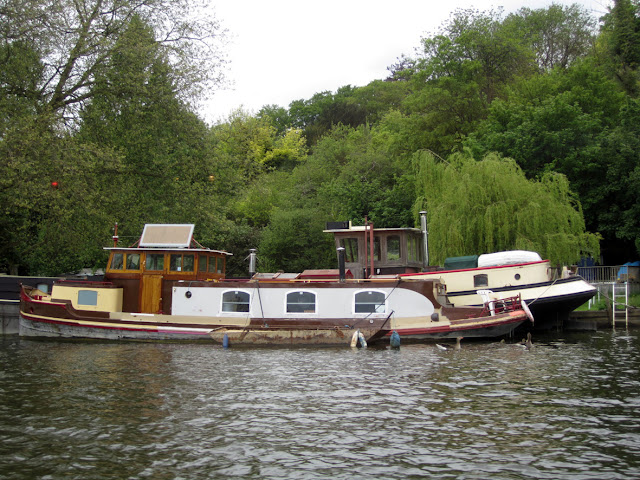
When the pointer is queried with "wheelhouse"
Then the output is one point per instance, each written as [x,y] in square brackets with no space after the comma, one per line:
[164,254]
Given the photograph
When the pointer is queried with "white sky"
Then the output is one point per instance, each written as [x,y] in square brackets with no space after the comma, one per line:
[285,50]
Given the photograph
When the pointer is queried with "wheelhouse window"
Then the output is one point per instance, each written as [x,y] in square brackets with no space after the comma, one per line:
[370,302]
[301,302]
[181,263]
[202,263]
[393,247]
[122,261]
[235,301]
[350,249]
[117,261]
[212,264]
[133,261]
[154,262]
[376,250]
[414,249]
[481,280]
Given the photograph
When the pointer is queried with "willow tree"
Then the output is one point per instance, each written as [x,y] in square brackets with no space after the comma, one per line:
[477,207]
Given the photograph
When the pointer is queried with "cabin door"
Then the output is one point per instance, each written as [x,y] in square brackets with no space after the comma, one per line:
[151,294]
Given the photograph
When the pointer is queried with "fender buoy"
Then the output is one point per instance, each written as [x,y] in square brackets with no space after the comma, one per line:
[395,340]
[225,341]
[354,339]
[526,309]
[361,341]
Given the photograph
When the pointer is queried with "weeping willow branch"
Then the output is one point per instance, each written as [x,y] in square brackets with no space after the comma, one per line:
[485,206]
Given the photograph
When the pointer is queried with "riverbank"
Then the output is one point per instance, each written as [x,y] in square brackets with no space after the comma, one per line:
[591,320]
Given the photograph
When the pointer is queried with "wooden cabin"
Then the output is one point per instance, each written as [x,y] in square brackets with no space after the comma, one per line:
[165,254]
[395,250]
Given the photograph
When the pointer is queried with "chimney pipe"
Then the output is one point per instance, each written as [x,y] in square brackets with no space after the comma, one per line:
[341,264]
[425,238]
[252,262]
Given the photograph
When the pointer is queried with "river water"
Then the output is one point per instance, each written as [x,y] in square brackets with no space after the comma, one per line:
[569,408]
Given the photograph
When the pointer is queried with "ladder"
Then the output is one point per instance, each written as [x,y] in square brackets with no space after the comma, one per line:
[620,300]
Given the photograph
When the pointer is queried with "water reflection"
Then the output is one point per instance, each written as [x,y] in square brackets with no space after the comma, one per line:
[568,408]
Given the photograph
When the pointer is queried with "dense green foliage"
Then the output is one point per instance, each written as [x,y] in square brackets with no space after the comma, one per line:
[500,210]
[516,131]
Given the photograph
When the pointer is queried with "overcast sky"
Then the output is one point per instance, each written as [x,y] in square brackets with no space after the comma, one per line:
[285,50]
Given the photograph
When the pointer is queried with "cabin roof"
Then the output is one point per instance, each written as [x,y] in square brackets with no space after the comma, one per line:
[160,250]
[361,228]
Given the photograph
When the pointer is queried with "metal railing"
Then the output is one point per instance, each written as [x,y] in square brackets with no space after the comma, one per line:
[599,274]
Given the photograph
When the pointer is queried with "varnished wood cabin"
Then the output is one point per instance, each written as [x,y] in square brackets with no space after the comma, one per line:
[164,255]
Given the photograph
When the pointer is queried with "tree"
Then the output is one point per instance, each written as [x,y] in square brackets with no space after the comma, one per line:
[75,37]
[294,242]
[575,122]
[55,194]
[558,35]
[485,206]
[457,75]
[622,37]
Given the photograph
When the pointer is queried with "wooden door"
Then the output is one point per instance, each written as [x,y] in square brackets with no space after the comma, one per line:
[151,294]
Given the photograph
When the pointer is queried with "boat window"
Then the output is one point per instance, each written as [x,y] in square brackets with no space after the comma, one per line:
[301,302]
[370,302]
[117,261]
[411,253]
[181,263]
[202,263]
[212,264]
[393,247]
[481,280]
[175,265]
[376,250]
[350,249]
[235,301]
[87,297]
[220,265]
[154,261]
[133,261]
[188,263]
[414,249]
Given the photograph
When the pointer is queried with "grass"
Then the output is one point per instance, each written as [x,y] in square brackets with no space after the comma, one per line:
[634,301]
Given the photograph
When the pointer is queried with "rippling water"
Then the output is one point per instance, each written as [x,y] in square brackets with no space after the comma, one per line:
[568,408]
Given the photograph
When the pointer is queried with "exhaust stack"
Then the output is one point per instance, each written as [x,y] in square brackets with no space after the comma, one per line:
[252,262]
[425,238]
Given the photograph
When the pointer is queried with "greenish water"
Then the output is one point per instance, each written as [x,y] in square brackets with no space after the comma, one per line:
[567,409]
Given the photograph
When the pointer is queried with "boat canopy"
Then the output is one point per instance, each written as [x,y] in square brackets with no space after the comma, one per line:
[459,263]
[510,257]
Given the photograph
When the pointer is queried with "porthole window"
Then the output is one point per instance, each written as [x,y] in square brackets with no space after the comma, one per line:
[517,276]
[301,302]
[370,302]
[235,301]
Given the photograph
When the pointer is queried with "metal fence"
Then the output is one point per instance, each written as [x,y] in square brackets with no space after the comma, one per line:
[599,274]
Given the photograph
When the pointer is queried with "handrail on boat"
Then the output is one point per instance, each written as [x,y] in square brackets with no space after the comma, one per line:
[95,283]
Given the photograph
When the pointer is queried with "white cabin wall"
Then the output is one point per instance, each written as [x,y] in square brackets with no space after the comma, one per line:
[271,302]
